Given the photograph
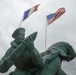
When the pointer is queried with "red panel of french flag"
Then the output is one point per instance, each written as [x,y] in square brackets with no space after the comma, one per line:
[52,17]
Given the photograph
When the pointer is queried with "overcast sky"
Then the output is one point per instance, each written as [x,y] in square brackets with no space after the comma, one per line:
[63,29]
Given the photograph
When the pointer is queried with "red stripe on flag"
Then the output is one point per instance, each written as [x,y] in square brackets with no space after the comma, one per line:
[59,12]
[36,7]
[50,21]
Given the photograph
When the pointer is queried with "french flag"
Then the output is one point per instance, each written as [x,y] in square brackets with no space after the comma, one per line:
[30,11]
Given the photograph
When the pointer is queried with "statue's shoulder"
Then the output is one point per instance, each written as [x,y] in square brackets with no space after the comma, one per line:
[13,44]
[10,50]
[59,44]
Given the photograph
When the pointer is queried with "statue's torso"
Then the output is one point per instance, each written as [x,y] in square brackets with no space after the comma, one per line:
[24,61]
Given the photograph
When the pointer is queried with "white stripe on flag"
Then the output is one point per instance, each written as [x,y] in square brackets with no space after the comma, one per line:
[31,11]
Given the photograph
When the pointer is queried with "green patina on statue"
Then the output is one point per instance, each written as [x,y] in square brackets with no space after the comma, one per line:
[28,60]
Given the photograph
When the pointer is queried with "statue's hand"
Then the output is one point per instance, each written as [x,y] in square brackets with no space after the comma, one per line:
[29,43]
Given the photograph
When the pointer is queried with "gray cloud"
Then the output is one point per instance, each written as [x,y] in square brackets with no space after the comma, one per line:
[63,29]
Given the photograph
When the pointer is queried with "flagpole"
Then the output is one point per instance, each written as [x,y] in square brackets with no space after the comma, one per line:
[20,24]
[21,21]
[45,35]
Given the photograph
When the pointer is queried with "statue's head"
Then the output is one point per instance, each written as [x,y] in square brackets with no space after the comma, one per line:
[19,34]
[65,50]
[70,55]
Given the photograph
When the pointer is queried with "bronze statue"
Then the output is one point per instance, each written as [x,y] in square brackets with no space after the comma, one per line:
[28,60]
[55,54]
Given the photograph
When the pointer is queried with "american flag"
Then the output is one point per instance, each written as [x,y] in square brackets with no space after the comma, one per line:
[28,12]
[52,17]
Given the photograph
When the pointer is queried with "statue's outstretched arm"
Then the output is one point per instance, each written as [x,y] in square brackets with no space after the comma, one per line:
[6,62]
